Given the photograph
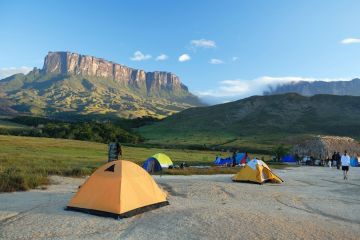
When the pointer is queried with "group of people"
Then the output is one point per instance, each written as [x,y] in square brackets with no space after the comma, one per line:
[335,160]
[341,161]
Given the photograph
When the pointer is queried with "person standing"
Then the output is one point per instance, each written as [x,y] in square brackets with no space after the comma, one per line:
[333,159]
[234,159]
[114,151]
[118,150]
[152,166]
[345,164]
[338,160]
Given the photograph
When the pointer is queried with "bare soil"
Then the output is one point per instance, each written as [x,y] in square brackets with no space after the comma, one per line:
[312,203]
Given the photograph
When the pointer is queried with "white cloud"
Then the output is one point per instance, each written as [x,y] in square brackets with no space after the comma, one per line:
[184,57]
[203,43]
[216,61]
[350,40]
[241,88]
[139,56]
[234,58]
[161,57]
[6,72]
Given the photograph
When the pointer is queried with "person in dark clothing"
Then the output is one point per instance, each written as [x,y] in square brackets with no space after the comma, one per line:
[333,159]
[338,160]
[234,159]
[297,158]
[118,150]
[114,151]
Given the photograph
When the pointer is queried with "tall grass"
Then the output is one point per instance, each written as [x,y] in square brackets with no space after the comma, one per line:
[13,179]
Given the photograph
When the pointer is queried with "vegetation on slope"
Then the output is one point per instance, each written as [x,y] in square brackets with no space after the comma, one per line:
[43,94]
[260,122]
[104,132]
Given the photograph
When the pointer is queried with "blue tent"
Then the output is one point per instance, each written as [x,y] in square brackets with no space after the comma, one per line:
[228,160]
[223,161]
[288,159]
[241,156]
[152,165]
[354,162]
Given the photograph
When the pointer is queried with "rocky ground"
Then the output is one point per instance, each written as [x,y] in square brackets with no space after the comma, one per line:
[312,203]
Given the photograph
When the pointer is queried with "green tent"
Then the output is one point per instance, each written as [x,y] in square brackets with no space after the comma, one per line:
[163,159]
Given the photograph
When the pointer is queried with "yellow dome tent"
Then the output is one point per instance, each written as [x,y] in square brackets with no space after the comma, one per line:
[256,171]
[118,189]
[163,159]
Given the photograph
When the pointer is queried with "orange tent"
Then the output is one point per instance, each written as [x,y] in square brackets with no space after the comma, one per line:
[118,189]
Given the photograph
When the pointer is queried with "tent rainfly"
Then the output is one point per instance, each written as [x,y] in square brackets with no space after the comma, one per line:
[118,189]
[157,162]
[323,147]
[256,171]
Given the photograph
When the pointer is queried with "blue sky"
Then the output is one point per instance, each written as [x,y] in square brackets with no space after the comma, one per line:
[231,49]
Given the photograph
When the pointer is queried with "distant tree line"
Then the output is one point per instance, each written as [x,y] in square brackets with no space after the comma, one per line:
[127,124]
[96,131]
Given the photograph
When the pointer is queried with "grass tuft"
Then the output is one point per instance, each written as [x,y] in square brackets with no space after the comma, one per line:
[15,179]
[78,172]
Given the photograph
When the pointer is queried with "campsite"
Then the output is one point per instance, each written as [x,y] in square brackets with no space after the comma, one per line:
[164,120]
[311,204]
[311,197]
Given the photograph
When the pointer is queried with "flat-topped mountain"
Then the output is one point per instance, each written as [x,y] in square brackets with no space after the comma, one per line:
[82,65]
[71,82]
[351,88]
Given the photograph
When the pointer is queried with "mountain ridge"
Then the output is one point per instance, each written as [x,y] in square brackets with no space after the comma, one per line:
[351,88]
[263,119]
[71,82]
[85,65]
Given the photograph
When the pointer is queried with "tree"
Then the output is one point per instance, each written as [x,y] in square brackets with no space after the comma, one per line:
[279,151]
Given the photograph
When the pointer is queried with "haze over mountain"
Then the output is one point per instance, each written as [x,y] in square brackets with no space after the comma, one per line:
[351,88]
[70,82]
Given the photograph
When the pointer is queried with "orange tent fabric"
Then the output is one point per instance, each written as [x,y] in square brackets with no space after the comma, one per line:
[118,189]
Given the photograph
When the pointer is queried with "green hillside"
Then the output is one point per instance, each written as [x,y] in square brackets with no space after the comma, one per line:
[73,83]
[259,122]
[38,94]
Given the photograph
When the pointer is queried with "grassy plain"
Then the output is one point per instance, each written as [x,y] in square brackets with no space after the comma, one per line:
[26,162]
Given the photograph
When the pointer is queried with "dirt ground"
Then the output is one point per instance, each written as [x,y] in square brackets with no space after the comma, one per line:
[312,203]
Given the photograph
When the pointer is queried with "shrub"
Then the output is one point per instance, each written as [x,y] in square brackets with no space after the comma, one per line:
[13,179]
[279,151]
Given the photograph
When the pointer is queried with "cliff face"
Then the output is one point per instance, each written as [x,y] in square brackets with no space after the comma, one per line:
[70,82]
[77,64]
[351,88]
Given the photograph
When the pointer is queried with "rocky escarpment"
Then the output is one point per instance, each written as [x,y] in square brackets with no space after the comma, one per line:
[74,83]
[77,64]
[351,88]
